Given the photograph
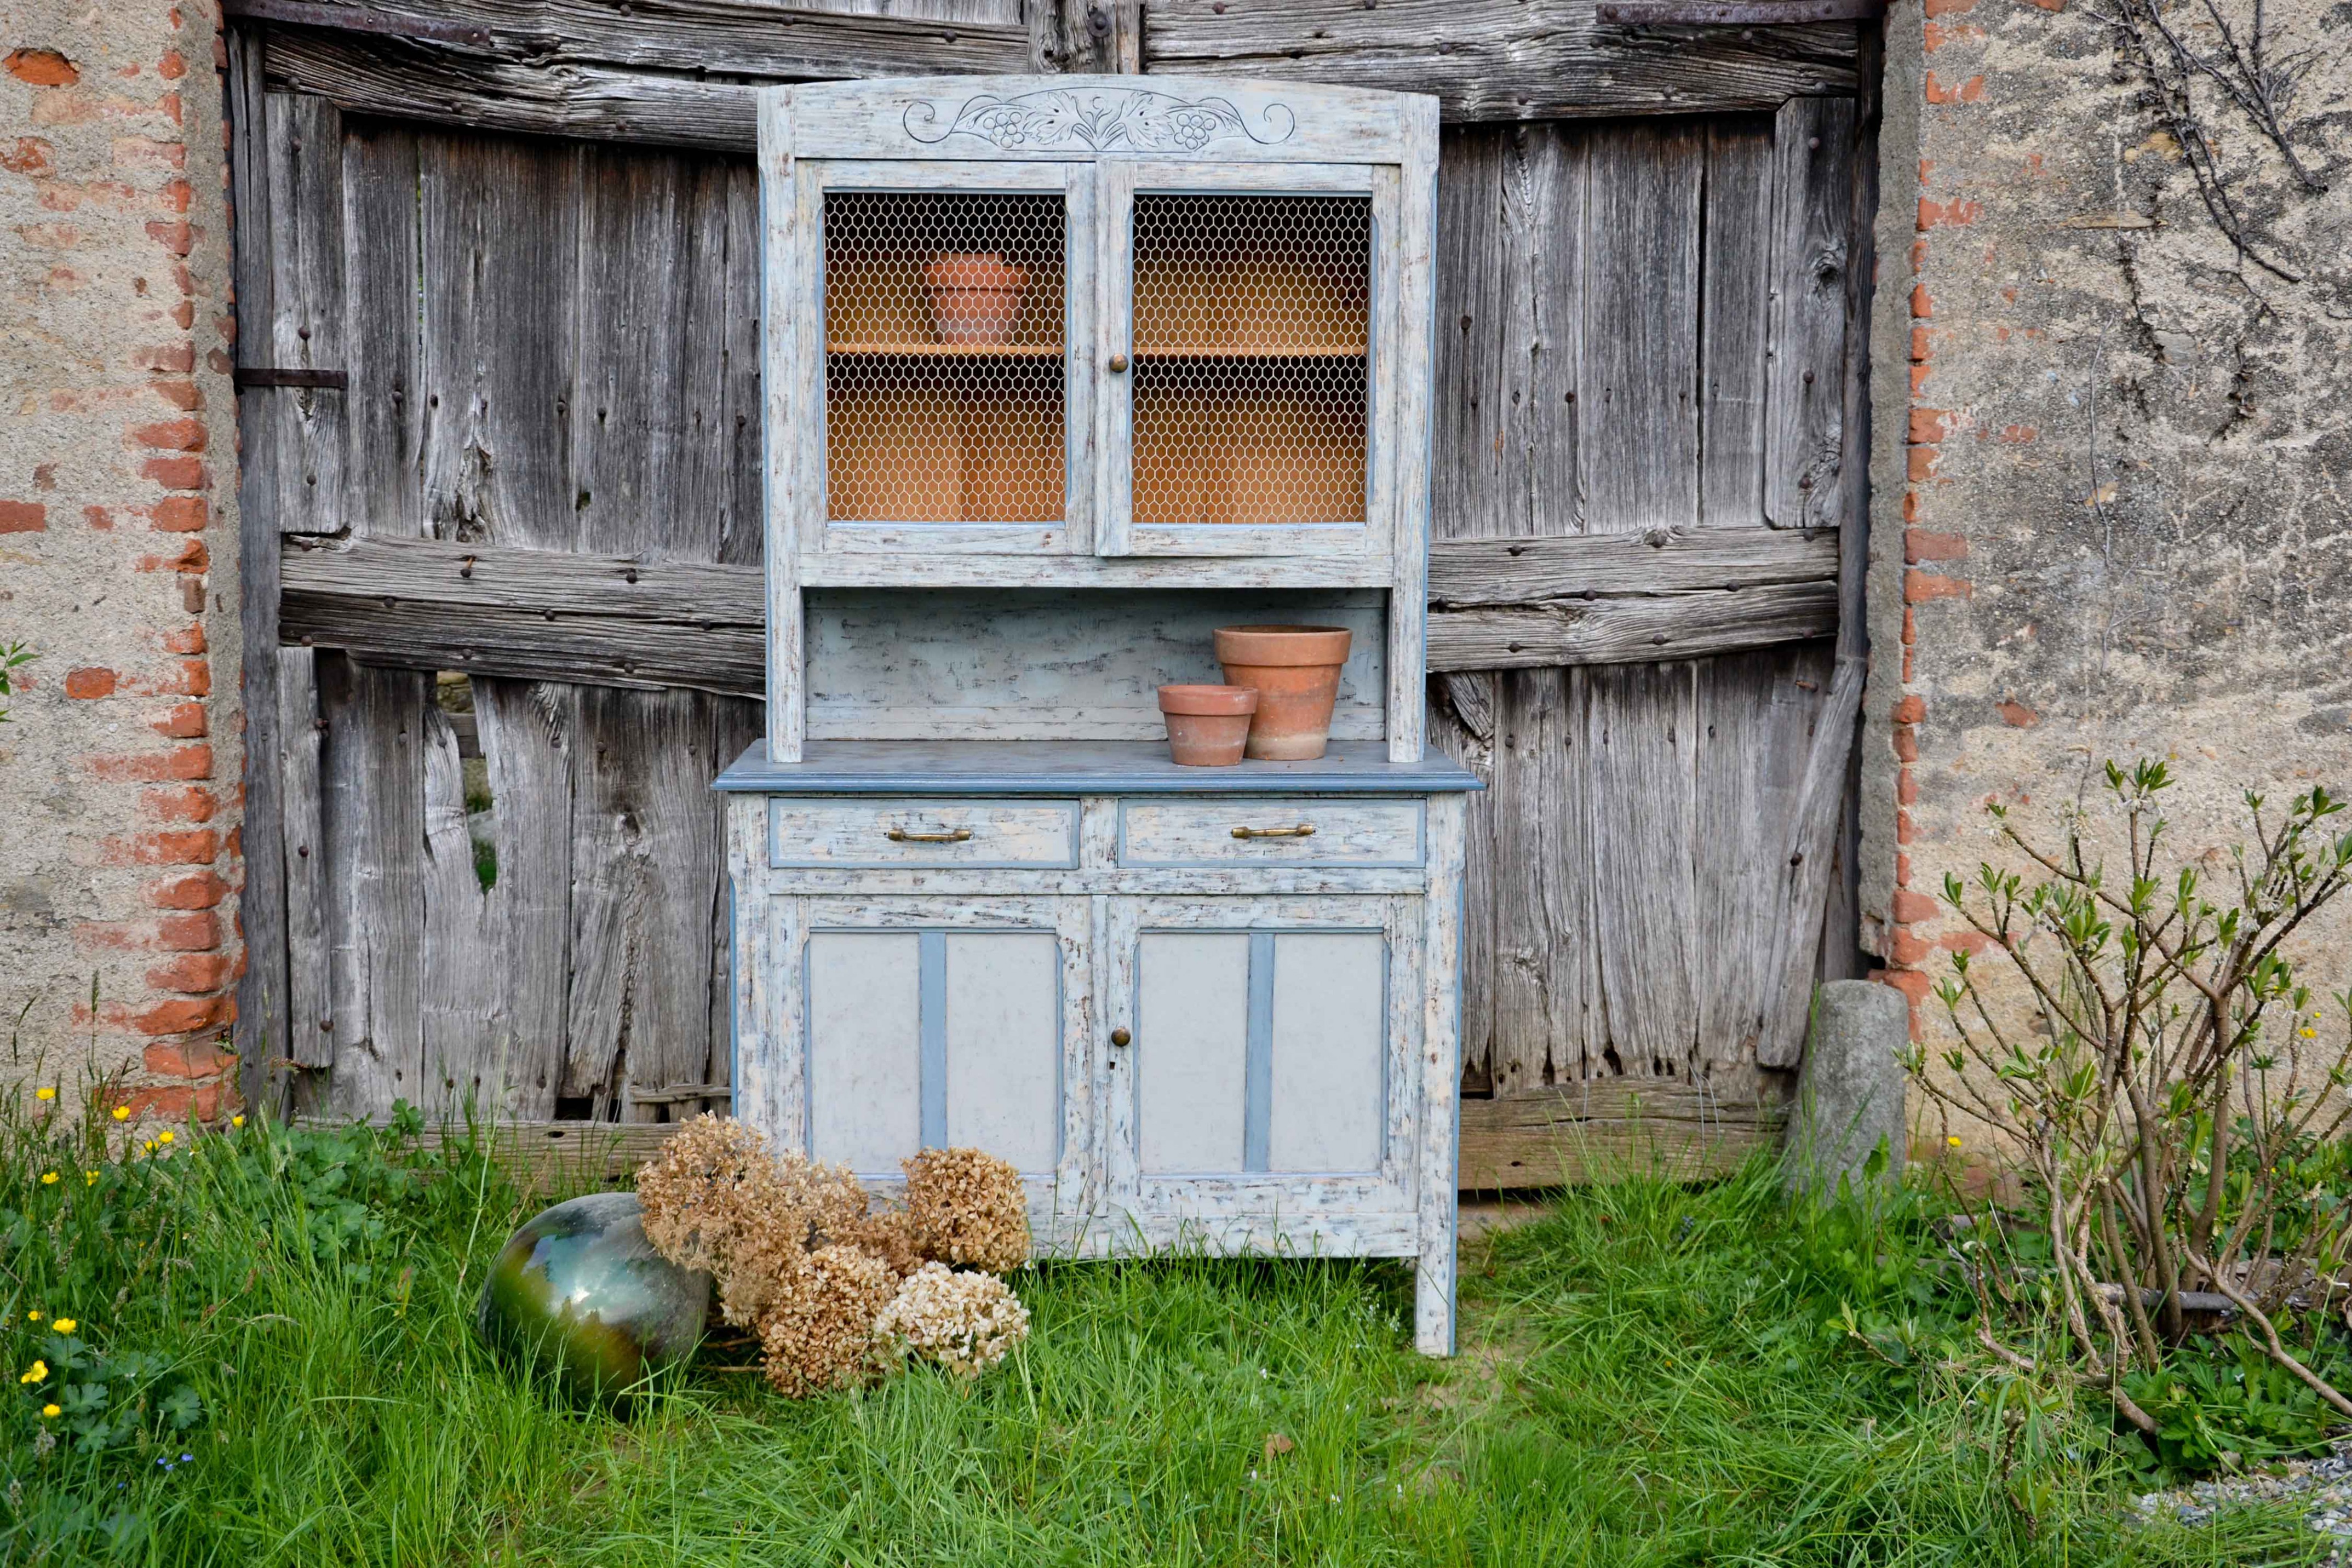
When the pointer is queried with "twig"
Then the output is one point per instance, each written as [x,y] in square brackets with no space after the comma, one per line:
[2278,1352]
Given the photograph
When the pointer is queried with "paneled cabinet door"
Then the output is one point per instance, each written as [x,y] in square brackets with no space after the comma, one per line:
[1267,1066]
[946,327]
[1253,359]
[931,1023]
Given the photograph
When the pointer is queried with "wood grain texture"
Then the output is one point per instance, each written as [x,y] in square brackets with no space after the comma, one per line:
[1546,1009]
[1797,935]
[1735,287]
[304,158]
[526,736]
[1606,1129]
[1628,630]
[303,845]
[1495,60]
[1812,156]
[1637,438]
[1465,572]
[1642,729]
[467,1028]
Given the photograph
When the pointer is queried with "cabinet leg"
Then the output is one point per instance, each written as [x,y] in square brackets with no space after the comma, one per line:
[1433,1297]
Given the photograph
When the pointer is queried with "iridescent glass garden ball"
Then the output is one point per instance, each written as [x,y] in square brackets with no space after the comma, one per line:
[580,1292]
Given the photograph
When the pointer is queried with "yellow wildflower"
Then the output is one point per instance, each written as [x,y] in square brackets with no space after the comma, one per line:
[33,1316]
[45,1093]
[237,1121]
[89,1178]
[2309,1034]
[51,1412]
[122,1112]
[40,1370]
[164,1137]
[48,1178]
[1953,1142]
[149,1145]
[65,1326]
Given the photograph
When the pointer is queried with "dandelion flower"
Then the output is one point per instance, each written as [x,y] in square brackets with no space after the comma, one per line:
[122,1112]
[38,1370]
[34,1316]
[51,1412]
[1953,1142]
[2309,1034]
[89,1178]
[45,1093]
[164,1137]
[65,1326]
[236,1121]
[149,1145]
[48,1178]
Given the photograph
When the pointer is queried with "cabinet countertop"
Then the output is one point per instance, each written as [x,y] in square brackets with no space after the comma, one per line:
[1078,768]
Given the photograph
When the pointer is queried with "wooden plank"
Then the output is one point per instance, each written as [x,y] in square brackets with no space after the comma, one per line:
[1805,888]
[1637,437]
[305,165]
[466,1027]
[1676,560]
[537,583]
[1510,229]
[647,861]
[1546,1014]
[262,1019]
[1812,156]
[1736,304]
[526,732]
[1641,746]
[1462,727]
[1436,1120]
[383,350]
[644,655]
[1755,728]
[303,844]
[1627,631]
[371,811]
[1500,59]
[1604,1129]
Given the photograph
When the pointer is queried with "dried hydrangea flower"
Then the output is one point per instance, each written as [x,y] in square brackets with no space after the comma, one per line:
[966,1322]
[889,1234]
[818,1331]
[967,1208]
[716,1200]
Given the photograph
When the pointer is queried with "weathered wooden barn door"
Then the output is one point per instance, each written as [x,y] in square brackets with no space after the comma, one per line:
[496,303]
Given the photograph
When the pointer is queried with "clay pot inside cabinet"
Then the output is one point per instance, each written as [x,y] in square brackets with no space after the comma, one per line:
[1296,670]
[1207,725]
[975,299]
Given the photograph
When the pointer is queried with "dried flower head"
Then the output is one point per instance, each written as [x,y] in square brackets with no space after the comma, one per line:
[818,1330]
[968,1207]
[966,1322]
[716,1200]
[889,1235]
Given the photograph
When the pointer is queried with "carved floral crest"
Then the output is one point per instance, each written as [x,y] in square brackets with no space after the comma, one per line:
[1099,119]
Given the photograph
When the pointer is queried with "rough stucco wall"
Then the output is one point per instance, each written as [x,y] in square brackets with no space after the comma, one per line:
[2051,278]
[119,767]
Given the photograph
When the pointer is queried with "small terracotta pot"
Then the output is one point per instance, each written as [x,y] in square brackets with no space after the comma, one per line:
[1296,670]
[975,299]
[1207,725]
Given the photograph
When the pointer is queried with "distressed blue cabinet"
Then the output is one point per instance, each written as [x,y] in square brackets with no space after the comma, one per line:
[1061,373]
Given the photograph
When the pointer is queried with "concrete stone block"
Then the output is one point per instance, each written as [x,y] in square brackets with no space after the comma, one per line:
[1849,1090]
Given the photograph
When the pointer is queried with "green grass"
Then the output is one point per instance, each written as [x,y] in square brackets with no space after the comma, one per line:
[1647,1379]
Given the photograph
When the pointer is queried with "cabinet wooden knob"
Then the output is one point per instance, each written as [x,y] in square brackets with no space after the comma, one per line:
[1120,1037]
[1118,362]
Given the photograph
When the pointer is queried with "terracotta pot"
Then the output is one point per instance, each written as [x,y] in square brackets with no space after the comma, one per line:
[1296,670]
[975,299]
[1207,725]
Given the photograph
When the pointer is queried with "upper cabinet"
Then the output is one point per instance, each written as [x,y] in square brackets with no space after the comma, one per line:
[1055,329]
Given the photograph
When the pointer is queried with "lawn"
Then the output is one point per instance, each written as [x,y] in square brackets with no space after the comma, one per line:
[272,1361]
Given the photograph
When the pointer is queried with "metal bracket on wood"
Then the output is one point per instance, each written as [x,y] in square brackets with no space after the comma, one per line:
[354,19]
[270,376]
[1733,13]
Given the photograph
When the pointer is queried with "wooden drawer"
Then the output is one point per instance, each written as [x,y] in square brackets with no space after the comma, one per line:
[1267,832]
[961,834]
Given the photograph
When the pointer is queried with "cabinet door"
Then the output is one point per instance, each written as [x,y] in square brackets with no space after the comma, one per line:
[1248,409]
[941,305]
[1267,1069]
[932,1024]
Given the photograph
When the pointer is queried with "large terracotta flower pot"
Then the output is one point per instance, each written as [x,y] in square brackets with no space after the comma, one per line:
[975,299]
[1207,725]
[1296,670]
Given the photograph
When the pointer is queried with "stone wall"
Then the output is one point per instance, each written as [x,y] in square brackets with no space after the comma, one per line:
[119,765]
[2111,510]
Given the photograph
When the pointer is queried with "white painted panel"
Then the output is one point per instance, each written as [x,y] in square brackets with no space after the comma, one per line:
[1004,1045]
[928,833]
[1346,832]
[864,1013]
[1330,1043]
[1192,1034]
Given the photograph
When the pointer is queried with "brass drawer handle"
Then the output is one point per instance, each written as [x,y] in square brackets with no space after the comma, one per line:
[901,836]
[1304,830]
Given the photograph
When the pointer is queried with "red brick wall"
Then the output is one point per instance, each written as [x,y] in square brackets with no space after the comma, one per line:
[118,771]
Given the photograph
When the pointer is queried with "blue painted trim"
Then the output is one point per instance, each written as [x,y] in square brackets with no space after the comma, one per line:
[735,1011]
[1257,1058]
[1004,769]
[931,1068]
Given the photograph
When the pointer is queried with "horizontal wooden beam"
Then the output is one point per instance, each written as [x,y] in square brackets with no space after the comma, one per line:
[681,72]
[1611,1127]
[595,620]
[1502,59]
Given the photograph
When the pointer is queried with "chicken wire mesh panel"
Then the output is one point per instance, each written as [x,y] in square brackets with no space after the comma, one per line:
[1251,339]
[943,358]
